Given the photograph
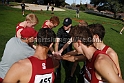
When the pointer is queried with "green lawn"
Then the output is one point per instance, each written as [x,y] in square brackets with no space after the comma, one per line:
[9,17]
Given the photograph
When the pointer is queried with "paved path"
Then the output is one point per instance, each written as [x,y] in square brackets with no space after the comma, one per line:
[38,7]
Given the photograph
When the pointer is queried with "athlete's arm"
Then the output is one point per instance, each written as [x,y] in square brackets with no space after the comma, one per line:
[65,46]
[114,57]
[57,44]
[55,63]
[73,56]
[104,67]
[52,50]
[18,33]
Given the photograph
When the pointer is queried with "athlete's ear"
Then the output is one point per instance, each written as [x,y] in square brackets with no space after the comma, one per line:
[95,38]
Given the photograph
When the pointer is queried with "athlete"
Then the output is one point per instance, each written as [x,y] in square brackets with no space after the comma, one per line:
[38,68]
[51,23]
[30,21]
[98,32]
[99,66]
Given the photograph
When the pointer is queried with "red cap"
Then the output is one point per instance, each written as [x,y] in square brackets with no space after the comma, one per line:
[28,32]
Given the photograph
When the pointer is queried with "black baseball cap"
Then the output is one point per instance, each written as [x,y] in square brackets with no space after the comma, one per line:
[67,22]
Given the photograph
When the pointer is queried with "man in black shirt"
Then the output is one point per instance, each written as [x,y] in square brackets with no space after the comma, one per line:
[23,8]
[62,38]
[52,10]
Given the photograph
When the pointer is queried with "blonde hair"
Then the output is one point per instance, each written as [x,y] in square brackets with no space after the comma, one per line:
[32,18]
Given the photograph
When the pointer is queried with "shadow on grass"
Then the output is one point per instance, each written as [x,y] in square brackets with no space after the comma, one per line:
[115,30]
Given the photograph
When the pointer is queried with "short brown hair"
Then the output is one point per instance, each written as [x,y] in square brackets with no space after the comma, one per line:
[32,18]
[55,19]
[45,37]
[82,33]
[97,29]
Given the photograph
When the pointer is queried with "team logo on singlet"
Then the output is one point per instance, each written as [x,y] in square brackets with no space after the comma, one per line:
[46,78]
[43,66]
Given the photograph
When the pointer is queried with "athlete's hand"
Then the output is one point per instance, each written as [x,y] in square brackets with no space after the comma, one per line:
[57,55]
[69,58]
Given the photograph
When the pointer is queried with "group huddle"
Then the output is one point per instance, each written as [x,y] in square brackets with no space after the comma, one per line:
[36,56]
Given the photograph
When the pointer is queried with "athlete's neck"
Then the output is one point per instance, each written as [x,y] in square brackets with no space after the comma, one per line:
[89,51]
[41,52]
[99,45]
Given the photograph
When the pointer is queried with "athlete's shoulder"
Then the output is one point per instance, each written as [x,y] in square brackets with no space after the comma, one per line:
[102,62]
[111,52]
[23,62]
[101,59]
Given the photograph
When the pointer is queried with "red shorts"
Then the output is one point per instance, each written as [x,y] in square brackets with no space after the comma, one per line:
[1,80]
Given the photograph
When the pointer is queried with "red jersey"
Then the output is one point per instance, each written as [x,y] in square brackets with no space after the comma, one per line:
[105,48]
[42,70]
[89,73]
[1,80]
[45,25]
[18,27]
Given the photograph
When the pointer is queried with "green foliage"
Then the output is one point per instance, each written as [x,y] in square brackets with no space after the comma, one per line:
[82,7]
[111,5]
[60,3]
[11,16]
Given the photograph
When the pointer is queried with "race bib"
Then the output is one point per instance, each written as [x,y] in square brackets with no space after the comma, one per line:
[46,78]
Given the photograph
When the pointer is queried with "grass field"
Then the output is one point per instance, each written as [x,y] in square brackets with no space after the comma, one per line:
[9,17]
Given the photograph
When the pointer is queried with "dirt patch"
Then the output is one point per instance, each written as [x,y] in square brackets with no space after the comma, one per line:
[37,7]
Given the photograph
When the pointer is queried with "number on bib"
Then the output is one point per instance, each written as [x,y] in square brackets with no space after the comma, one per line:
[46,78]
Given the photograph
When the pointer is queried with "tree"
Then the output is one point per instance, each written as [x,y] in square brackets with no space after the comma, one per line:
[59,3]
[114,6]
[56,2]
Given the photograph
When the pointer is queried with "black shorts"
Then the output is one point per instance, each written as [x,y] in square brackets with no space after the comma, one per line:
[23,9]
